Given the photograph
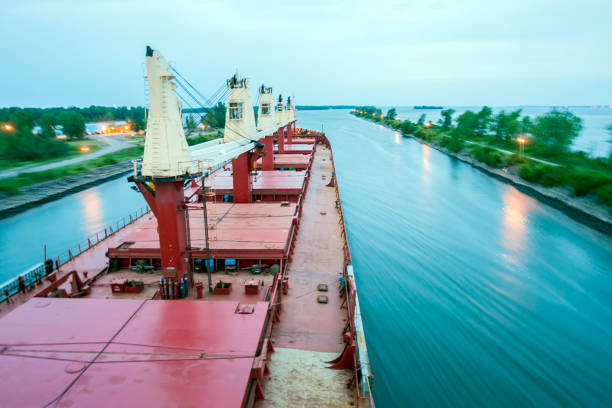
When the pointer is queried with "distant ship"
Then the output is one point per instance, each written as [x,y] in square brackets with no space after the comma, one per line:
[428,107]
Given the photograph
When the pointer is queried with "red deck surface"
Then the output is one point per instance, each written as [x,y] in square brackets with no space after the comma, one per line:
[303,140]
[297,148]
[235,231]
[265,182]
[95,352]
[289,160]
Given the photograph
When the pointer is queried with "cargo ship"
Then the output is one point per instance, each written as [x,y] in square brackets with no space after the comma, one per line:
[233,288]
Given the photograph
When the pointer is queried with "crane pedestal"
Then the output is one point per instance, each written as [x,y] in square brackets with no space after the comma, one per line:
[167,201]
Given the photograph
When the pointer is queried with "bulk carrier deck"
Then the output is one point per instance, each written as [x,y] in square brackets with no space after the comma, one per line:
[265,312]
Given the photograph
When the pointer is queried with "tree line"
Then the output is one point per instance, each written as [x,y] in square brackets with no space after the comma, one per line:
[553,132]
[93,113]
[19,142]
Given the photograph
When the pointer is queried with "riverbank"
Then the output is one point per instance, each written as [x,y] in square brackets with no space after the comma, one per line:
[35,194]
[585,209]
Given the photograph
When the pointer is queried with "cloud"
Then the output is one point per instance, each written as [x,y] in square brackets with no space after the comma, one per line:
[71,52]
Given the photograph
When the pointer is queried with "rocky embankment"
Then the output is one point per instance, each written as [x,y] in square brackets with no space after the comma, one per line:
[35,194]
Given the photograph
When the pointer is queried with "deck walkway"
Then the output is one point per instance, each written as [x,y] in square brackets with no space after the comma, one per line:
[310,333]
[318,258]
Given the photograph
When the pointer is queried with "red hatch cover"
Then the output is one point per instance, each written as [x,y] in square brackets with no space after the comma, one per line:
[98,352]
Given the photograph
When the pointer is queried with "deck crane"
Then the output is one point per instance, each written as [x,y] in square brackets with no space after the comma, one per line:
[168,162]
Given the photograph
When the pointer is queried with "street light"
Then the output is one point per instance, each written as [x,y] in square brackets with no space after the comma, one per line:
[521,140]
[7,126]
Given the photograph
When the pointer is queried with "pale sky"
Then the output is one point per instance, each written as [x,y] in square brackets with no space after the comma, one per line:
[446,52]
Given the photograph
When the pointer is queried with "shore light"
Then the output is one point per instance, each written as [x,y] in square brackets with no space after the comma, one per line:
[427,124]
[521,140]
[84,148]
[7,127]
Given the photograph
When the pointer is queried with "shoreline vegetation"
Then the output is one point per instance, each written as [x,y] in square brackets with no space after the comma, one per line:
[31,136]
[14,185]
[35,135]
[530,153]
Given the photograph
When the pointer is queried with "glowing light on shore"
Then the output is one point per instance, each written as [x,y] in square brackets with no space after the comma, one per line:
[84,148]
[7,127]
[428,124]
[61,137]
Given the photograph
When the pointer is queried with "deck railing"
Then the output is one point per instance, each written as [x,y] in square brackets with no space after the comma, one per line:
[37,272]
[30,277]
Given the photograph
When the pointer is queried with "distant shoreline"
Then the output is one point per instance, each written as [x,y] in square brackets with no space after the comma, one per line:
[324,107]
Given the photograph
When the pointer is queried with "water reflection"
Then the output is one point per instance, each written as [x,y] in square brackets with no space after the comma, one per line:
[426,150]
[397,137]
[517,207]
[92,210]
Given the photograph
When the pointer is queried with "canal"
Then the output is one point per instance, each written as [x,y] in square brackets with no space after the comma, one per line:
[473,293]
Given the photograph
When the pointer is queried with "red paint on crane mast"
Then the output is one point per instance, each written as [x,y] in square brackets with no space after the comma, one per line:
[281,139]
[290,133]
[167,203]
[242,179]
[268,158]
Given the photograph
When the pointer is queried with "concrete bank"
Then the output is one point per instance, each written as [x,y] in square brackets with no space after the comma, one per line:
[35,194]
[582,209]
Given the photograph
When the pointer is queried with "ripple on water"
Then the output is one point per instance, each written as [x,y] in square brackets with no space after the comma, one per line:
[473,294]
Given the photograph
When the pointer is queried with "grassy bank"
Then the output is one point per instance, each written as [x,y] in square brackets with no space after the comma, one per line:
[12,185]
[583,175]
[73,151]
[198,138]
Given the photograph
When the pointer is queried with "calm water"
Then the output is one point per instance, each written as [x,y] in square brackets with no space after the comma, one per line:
[61,224]
[473,294]
[594,138]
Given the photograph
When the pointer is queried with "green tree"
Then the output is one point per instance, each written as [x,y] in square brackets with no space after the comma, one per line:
[483,119]
[190,124]
[137,123]
[421,120]
[408,127]
[73,124]
[391,114]
[466,125]
[215,117]
[506,125]
[22,120]
[556,130]
[526,124]
[47,123]
[447,119]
